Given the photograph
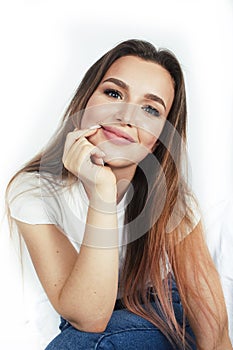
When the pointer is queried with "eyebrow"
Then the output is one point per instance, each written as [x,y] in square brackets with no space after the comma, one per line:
[123,85]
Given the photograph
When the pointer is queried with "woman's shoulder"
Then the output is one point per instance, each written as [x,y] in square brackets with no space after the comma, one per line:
[24,183]
[33,184]
[25,199]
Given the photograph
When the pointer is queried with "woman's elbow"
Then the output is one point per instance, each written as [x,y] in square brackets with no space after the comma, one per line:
[93,326]
[87,319]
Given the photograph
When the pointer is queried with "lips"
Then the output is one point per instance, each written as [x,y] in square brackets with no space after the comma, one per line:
[115,134]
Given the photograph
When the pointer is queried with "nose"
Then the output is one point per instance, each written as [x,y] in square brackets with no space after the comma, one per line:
[126,114]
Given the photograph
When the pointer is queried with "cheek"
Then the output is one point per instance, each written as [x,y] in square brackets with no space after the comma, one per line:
[147,140]
[89,119]
[97,111]
[149,131]
[93,101]
[90,116]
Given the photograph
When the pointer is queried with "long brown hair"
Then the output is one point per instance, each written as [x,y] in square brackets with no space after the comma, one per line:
[147,255]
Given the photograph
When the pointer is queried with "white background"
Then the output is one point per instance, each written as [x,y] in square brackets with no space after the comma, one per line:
[46,47]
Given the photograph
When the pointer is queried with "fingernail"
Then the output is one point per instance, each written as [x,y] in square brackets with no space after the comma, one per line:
[98,153]
[94,127]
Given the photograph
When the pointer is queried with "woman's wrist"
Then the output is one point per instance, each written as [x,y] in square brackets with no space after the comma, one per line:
[103,199]
[101,226]
[103,205]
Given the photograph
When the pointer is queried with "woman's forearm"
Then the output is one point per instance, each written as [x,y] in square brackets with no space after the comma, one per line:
[88,296]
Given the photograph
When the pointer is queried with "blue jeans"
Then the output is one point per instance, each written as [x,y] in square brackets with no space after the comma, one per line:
[125,331]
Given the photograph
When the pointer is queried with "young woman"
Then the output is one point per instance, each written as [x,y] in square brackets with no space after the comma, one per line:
[110,224]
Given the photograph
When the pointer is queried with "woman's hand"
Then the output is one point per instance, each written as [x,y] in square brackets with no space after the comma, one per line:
[86,161]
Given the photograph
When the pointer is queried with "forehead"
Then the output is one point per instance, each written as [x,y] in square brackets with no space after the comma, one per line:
[143,76]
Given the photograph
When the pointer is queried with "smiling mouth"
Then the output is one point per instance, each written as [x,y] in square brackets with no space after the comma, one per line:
[117,136]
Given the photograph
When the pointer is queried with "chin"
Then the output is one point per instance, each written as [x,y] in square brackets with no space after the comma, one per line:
[119,163]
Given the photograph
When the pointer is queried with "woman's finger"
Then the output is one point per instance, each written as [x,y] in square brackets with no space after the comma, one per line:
[97,160]
[76,135]
[97,156]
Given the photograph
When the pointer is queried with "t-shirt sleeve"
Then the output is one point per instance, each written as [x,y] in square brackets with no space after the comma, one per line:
[26,202]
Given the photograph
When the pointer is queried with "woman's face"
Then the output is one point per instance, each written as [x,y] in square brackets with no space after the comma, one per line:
[131,104]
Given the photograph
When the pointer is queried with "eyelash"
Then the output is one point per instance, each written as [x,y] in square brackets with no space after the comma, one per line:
[110,92]
[153,111]
[148,109]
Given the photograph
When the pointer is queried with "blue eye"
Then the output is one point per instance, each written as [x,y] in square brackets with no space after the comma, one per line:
[151,110]
[113,93]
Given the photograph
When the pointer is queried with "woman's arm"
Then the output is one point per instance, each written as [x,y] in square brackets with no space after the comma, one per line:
[82,287]
[205,308]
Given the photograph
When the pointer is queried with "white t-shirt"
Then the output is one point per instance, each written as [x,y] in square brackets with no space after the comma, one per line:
[35,200]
